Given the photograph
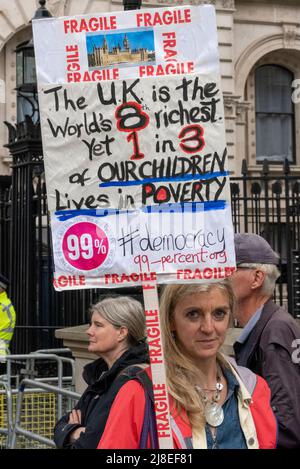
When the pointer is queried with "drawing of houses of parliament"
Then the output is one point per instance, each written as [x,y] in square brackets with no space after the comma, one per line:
[103,56]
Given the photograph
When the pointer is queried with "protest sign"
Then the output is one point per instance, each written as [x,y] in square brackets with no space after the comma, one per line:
[135,157]
[136,168]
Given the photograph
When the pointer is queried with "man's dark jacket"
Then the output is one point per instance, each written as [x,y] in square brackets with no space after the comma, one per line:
[268,351]
[97,399]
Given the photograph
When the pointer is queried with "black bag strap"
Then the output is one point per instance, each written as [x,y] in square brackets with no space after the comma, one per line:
[149,424]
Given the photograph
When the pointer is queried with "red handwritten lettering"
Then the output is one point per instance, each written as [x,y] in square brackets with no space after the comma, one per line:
[166,17]
[171,68]
[132,278]
[102,23]
[94,75]
[206,274]
[69,281]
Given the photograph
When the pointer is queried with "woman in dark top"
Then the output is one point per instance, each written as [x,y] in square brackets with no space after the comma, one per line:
[116,334]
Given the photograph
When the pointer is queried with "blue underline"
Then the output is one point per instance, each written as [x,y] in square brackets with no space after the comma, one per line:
[63,215]
[187,177]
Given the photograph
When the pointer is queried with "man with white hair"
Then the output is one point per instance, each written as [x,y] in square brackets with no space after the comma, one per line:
[7,322]
[267,342]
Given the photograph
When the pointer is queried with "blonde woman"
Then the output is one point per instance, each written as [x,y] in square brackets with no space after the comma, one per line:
[214,403]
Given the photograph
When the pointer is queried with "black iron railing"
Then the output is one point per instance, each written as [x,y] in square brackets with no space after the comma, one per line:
[267,204]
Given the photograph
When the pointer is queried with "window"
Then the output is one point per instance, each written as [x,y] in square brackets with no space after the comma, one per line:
[274,114]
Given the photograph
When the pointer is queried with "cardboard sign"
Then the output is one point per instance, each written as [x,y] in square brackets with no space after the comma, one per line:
[136,168]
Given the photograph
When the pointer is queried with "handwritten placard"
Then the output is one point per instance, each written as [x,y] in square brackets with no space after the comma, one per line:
[136,170]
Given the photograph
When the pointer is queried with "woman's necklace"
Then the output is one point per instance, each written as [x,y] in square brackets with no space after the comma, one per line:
[213,411]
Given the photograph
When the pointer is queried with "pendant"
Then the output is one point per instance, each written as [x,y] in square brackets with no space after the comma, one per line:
[214,414]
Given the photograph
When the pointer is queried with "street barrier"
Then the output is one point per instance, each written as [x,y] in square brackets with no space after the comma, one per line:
[31,405]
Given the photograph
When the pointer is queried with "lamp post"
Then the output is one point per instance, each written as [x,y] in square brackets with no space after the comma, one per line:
[27,100]
[25,146]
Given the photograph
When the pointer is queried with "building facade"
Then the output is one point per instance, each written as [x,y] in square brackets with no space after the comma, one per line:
[259,48]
